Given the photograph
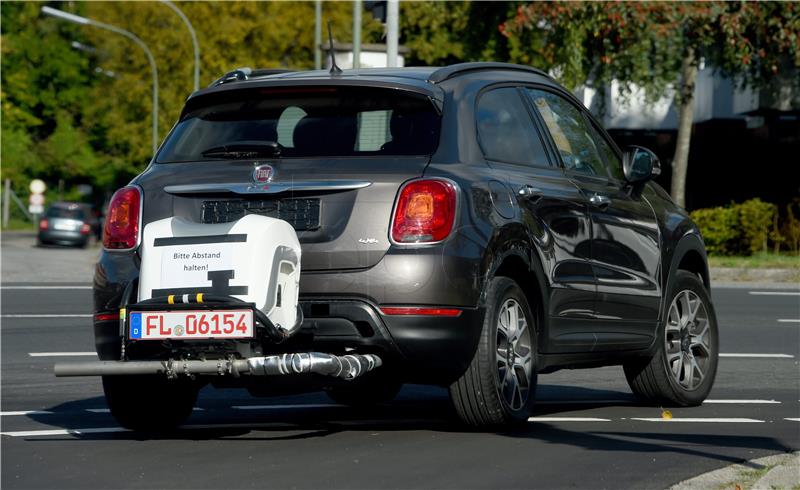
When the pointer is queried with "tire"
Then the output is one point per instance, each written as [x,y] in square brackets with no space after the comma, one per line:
[684,365]
[366,392]
[149,403]
[486,394]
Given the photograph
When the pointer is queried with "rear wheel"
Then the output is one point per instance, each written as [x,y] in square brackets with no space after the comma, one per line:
[149,403]
[682,370]
[499,385]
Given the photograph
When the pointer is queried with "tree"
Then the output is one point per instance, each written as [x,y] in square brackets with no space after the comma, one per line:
[657,45]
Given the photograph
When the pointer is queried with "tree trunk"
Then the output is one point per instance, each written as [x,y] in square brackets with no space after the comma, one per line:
[680,162]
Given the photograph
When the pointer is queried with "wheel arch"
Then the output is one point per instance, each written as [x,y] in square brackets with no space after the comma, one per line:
[689,255]
[513,255]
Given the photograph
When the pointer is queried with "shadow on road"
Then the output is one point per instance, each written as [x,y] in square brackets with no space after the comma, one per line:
[424,409]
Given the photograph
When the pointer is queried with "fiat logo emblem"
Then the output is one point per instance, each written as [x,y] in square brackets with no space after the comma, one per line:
[263,173]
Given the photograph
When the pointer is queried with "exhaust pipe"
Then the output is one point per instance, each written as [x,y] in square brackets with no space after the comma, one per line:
[345,367]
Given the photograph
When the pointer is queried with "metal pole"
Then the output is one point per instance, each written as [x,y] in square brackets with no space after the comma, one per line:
[194,41]
[318,34]
[356,34]
[6,203]
[392,21]
[84,21]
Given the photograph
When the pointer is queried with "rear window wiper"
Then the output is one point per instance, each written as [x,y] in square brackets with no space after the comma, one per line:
[245,149]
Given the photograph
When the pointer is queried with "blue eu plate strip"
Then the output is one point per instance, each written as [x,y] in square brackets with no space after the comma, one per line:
[136,326]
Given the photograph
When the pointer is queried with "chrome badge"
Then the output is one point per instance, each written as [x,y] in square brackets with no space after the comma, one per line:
[263,173]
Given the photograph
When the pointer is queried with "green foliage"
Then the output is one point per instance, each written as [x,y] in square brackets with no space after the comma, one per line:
[644,43]
[755,220]
[720,229]
[742,229]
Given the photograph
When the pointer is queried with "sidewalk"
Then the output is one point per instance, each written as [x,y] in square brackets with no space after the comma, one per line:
[781,471]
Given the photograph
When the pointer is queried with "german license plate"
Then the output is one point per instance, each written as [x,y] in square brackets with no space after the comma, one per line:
[191,324]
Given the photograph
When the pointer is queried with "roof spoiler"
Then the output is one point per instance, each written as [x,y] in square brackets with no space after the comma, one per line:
[246,73]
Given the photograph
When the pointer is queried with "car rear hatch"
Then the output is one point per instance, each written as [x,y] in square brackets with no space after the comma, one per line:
[329,160]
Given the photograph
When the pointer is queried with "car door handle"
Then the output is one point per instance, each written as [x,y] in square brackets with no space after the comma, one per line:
[600,201]
[529,191]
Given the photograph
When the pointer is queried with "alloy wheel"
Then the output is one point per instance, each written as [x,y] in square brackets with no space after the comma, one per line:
[514,355]
[687,340]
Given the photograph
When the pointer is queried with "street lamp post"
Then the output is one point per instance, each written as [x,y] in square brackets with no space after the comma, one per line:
[60,14]
[194,41]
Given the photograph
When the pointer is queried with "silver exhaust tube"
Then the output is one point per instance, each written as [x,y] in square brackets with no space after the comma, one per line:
[346,367]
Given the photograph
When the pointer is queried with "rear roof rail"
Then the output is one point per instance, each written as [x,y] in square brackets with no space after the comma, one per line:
[458,69]
[246,73]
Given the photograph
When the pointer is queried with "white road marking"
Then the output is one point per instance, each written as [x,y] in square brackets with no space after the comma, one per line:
[106,410]
[777,356]
[567,419]
[60,354]
[788,320]
[792,419]
[699,419]
[775,293]
[26,412]
[63,432]
[765,402]
[26,315]
[283,407]
[44,287]
[584,402]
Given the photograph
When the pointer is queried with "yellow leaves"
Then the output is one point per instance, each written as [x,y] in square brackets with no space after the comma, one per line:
[666,414]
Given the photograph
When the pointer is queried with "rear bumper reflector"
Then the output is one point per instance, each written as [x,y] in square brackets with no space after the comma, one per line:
[421,311]
[106,317]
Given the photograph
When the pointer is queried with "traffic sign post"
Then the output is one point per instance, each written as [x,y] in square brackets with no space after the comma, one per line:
[36,199]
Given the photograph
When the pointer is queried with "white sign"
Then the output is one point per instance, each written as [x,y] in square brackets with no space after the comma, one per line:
[35,209]
[36,199]
[188,265]
[37,186]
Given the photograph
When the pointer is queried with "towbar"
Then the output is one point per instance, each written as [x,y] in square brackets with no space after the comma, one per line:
[345,367]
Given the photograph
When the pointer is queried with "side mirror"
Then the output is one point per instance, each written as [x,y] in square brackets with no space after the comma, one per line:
[640,164]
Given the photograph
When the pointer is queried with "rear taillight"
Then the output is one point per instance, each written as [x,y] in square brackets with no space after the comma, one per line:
[425,211]
[43,224]
[85,229]
[121,231]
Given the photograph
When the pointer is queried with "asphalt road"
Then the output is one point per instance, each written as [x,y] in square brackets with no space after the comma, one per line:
[587,430]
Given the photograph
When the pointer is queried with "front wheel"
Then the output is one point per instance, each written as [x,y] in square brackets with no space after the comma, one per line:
[682,370]
[499,385]
[149,403]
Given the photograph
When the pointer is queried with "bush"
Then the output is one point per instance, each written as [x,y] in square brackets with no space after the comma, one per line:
[720,229]
[740,229]
[755,219]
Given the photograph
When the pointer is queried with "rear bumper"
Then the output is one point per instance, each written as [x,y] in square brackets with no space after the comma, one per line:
[341,310]
[63,237]
[423,349]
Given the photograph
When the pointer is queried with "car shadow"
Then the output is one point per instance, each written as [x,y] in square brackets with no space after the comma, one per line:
[313,416]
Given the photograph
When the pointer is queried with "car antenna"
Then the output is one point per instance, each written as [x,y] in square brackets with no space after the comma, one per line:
[335,70]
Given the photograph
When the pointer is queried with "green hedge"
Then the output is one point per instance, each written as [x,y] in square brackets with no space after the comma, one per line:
[749,227]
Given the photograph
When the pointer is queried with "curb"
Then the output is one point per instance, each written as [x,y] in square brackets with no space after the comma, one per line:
[778,471]
[742,274]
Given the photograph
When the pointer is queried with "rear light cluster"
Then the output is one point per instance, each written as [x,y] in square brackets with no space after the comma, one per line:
[85,229]
[121,230]
[44,224]
[425,211]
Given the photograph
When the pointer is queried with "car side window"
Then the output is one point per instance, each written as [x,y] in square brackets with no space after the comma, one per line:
[505,129]
[613,162]
[571,133]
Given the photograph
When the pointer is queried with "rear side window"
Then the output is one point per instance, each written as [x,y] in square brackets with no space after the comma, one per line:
[505,129]
[570,133]
[307,122]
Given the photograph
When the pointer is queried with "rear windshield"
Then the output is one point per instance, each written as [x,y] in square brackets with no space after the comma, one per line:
[307,122]
[73,213]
